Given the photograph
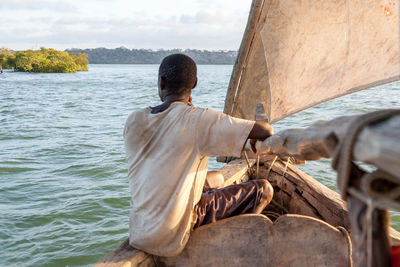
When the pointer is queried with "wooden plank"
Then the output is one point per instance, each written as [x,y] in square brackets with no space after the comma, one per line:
[303,241]
[307,196]
[235,241]
[124,256]
[236,171]
[253,240]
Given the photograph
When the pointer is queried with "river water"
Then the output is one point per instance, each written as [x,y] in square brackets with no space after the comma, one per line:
[64,196]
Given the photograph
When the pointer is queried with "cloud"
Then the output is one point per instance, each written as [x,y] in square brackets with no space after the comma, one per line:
[207,17]
[202,29]
[39,5]
[130,35]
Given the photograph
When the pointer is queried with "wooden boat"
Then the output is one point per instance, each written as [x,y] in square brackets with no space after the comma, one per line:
[294,54]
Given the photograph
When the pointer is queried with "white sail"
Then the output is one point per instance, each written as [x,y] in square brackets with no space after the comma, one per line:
[296,54]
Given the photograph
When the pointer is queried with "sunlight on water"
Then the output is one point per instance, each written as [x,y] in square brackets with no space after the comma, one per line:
[64,192]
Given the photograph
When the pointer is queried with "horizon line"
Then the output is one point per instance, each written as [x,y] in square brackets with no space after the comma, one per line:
[130,49]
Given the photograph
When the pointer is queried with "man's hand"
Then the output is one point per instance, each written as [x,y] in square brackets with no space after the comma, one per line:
[260,132]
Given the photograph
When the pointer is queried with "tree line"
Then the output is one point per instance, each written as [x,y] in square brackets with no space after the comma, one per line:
[72,60]
[124,55]
[43,60]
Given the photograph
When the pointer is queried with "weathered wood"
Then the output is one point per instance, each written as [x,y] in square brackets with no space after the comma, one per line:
[378,144]
[236,171]
[126,256]
[245,45]
[306,196]
[311,143]
[301,194]
[304,241]
[295,192]
[253,240]
[236,241]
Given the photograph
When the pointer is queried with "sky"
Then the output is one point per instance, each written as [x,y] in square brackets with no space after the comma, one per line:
[149,24]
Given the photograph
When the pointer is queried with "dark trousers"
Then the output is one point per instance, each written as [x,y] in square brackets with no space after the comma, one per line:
[217,204]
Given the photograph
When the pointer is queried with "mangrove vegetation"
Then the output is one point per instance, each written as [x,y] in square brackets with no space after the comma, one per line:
[43,60]
[7,58]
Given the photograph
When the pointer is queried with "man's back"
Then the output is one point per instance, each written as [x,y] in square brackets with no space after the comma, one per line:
[167,157]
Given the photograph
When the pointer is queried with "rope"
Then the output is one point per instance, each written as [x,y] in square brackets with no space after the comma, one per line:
[258,165]
[250,171]
[283,177]
[270,166]
[346,234]
[247,159]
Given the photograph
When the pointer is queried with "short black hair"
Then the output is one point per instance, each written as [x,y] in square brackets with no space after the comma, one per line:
[179,72]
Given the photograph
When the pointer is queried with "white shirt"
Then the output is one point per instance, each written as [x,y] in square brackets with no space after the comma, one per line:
[167,155]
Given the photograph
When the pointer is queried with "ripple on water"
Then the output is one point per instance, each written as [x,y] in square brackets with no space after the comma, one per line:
[14,170]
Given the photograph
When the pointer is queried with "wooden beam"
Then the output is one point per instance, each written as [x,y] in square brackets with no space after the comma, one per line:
[235,171]
[378,144]
[255,11]
[125,255]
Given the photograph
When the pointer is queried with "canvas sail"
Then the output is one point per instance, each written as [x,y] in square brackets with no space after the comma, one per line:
[296,54]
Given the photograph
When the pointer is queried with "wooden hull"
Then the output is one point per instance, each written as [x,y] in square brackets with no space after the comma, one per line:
[294,193]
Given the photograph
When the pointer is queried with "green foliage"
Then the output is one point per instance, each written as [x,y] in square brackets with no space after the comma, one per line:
[80,60]
[7,58]
[43,60]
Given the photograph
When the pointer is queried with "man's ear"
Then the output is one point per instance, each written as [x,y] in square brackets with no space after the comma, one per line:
[195,84]
[162,83]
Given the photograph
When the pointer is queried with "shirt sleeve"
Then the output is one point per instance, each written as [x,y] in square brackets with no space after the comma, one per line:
[219,134]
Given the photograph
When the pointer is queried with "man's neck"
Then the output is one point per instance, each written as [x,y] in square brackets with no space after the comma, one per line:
[168,100]
[176,98]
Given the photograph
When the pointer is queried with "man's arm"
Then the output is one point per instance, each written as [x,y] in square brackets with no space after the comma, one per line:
[219,134]
[260,131]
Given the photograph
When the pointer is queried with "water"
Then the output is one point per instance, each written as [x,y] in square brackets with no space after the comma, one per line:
[64,195]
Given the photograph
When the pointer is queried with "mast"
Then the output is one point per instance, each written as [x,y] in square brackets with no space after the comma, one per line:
[254,15]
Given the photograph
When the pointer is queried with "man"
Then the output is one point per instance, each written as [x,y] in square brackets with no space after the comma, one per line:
[167,149]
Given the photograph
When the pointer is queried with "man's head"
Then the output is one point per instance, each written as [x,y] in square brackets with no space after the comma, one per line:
[177,75]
